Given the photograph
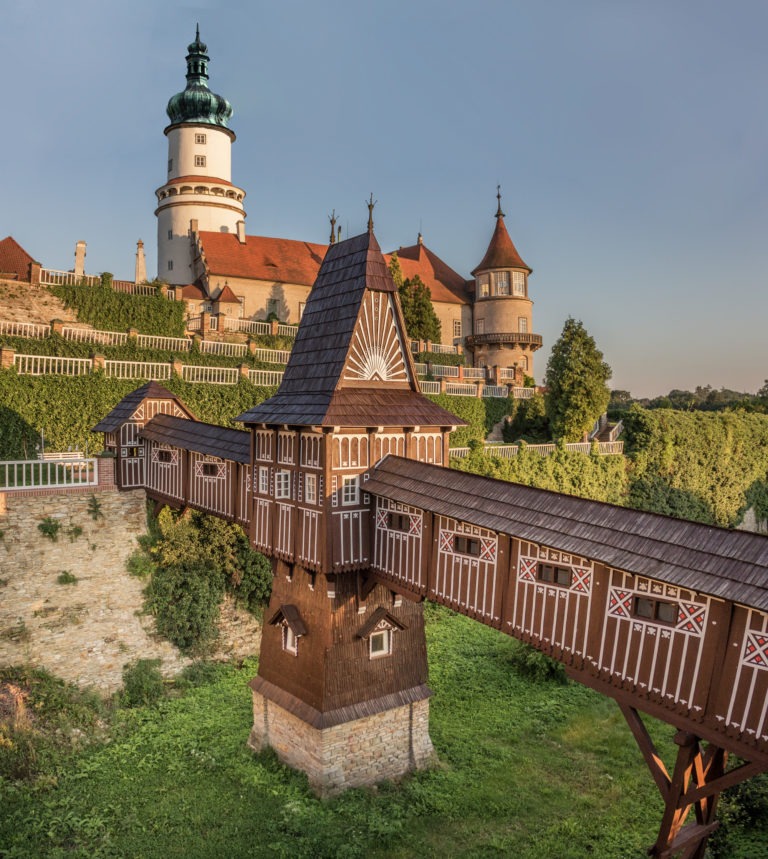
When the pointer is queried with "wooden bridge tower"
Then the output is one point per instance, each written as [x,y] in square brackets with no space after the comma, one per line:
[341,691]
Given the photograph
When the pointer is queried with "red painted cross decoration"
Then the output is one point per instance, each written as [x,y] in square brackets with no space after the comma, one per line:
[756,649]
[691,617]
[446,541]
[415,528]
[526,571]
[487,549]
[382,519]
[582,580]
[620,603]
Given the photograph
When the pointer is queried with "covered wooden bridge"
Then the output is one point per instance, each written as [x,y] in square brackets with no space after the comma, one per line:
[347,491]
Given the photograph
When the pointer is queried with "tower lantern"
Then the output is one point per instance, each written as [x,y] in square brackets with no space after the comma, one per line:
[199,177]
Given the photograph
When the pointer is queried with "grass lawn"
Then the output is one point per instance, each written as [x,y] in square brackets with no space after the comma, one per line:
[530,769]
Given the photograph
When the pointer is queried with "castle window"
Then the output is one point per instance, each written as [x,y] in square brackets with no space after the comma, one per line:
[502,282]
[170,265]
[518,283]
[283,484]
[290,640]
[199,160]
[457,327]
[483,286]
[170,164]
[199,138]
[310,488]
[555,575]
[466,545]
[656,610]
[350,491]
[479,326]
[170,234]
[522,325]
[263,480]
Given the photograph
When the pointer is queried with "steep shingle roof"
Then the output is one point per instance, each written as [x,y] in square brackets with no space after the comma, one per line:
[728,564]
[127,406]
[312,391]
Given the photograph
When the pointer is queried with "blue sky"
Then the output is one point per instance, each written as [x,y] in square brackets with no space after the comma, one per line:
[629,138]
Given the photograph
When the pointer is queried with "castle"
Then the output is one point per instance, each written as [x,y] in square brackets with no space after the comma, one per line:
[205,254]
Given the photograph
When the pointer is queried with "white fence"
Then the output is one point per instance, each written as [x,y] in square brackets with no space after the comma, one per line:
[45,365]
[90,335]
[436,348]
[272,356]
[458,390]
[211,375]
[156,341]
[266,378]
[507,451]
[52,277]
[430,387]
[215,347]
[499,391]
[245,326]
[523,393]
[44,474]
[445,371]
[24,329]
[154,371]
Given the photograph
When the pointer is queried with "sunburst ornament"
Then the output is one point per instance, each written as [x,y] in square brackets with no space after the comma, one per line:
[376,353]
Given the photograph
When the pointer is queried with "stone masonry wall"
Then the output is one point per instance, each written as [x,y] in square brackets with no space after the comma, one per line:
[87,631]
[354,754]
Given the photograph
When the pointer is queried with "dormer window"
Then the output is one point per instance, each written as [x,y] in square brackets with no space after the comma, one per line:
[292,627]
[379,631]
[518,283]
[502,282]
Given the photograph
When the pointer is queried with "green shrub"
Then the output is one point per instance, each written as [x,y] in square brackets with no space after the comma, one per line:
[185,599]
[139,564]
[66,578]
[534,665]
[142,683]
[94,508]
[49,528]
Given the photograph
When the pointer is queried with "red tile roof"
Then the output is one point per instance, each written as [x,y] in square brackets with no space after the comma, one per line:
[192,292]
[14,260]
[261,258]
[501,251]
[226,295]
[444,283]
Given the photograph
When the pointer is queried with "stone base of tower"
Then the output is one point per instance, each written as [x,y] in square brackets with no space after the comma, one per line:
[344,748]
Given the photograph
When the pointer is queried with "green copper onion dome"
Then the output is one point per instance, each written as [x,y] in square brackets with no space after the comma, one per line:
[197,103]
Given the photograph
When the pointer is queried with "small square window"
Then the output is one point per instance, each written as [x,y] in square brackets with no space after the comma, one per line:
[398,521]
[656,610]
[199,138]
[209,469]
[283,484]
[310,488]
[199,160]
[164,456]
[380,643]
[555,575]
[466,545]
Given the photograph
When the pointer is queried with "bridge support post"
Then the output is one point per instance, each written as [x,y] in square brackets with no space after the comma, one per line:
[697,780]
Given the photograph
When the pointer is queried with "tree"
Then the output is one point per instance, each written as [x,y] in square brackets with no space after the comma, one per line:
[576,381]
[421,322]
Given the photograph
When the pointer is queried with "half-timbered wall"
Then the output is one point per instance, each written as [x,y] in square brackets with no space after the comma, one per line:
[400,543]
[165,470]
[427,447]
[211,484]
[131,467]
[548,613]
[467,574]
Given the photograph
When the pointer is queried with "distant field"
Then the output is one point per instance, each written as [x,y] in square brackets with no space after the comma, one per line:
[534,770]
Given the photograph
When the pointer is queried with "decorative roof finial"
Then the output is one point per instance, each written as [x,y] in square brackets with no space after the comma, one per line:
[332,219]
[371,203]
[197,32]
[420,239]
[499,213]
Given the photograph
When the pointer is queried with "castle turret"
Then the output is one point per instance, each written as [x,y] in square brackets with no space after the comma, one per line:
[199,185]
[502,310]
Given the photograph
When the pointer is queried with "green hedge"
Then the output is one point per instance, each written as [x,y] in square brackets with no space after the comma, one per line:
[480,413]
[706,466]
[65,408]
[108,310]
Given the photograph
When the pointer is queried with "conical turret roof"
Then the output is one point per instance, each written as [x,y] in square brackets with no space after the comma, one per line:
[501,252]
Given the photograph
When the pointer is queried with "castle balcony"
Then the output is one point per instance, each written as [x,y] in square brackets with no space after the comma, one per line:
[513,338]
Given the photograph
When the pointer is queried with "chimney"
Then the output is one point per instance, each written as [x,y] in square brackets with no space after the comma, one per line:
[141,264]
[80,259]
[241,232]
[193,227]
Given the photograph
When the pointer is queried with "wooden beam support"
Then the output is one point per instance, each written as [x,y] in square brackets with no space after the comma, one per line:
[648,750]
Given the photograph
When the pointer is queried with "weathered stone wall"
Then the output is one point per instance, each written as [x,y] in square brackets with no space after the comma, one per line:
[87,631]
[354,754]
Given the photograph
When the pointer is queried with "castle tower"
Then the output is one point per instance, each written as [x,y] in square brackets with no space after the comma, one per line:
[502,333]
[199,186]
[341,691]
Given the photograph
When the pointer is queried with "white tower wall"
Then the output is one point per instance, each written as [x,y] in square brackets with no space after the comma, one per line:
[188,144]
